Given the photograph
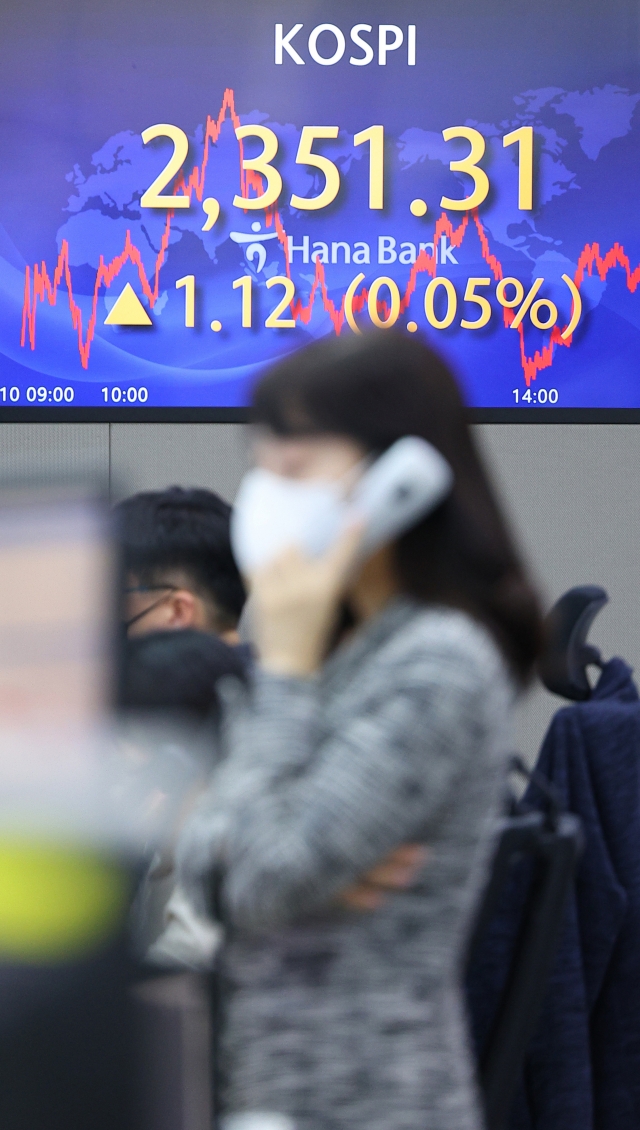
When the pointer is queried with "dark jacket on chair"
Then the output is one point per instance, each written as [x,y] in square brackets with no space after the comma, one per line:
[582,1069]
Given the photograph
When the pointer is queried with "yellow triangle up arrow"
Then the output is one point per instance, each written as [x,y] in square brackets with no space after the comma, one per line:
[128,310]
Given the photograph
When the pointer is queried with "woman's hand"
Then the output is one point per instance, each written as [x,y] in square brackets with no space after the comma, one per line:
[395,873]
[294,601]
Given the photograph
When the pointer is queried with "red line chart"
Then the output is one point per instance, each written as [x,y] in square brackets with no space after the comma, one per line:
[40,286]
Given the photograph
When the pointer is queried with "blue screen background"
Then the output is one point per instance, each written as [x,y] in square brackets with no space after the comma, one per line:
[80,83]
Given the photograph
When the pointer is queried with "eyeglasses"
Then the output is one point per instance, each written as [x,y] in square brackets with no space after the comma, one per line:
[151,588]
[166,589]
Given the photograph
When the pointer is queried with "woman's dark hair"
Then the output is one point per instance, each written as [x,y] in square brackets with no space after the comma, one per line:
[177,672]
[376,389]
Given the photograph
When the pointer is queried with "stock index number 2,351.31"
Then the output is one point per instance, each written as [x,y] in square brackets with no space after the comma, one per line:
[272,188]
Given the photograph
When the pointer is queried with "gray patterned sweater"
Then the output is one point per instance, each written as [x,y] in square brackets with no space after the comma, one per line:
[340,1018]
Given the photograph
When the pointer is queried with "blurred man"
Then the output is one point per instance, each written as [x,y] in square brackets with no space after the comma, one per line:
[179,568]
[180,573]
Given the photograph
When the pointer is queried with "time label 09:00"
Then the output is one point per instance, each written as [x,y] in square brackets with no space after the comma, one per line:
[40,395]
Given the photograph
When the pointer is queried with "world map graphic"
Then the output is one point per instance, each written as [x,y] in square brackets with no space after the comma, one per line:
[586,148]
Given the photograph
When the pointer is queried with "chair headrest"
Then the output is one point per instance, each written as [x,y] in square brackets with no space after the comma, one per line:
[563,664]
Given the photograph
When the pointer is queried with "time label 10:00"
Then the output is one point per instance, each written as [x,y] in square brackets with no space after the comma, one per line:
[131,395]
[156,197]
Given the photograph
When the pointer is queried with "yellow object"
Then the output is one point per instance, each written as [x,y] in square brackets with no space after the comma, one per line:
[56,903]
[527,303]
[275,321]
[128,310]
[348,302]
[372,302]
[452,302]
[152,198]
[524,139]
[479,299]
[245,285]
[211,209]
[552,315]
[189,284]
[469,165]
[305,156]
[375,136]
[260,164]
[576,309]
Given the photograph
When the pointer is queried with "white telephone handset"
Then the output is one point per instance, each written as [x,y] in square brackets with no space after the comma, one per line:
[401,487]
[273,512]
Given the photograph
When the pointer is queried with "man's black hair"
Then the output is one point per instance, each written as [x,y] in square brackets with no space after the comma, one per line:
[177,671]
[186,531]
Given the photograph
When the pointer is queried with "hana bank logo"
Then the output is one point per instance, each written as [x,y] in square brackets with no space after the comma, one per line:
[390,38]
[254,244]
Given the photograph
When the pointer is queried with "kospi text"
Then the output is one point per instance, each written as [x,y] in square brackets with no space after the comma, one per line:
[327,44]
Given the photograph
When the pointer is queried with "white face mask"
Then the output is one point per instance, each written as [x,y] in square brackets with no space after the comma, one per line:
[273,513]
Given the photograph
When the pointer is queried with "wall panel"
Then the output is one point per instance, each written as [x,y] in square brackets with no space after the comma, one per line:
[572,492]
[54,450]
[151,456]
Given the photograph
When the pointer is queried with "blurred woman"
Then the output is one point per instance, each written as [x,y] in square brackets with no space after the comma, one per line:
[379,716]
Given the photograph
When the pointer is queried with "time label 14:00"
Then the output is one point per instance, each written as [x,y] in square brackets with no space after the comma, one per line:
[536,396]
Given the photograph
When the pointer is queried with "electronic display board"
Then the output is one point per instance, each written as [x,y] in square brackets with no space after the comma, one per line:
[189,191]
